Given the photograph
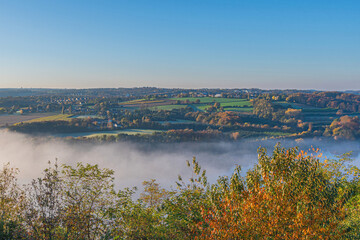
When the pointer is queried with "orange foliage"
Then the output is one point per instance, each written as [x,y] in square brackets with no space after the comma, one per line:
[286,198]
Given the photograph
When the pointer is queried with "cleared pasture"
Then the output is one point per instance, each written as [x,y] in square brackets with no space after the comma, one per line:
[168,107]
[10,119]
[229,104]
[243,106]
[86,116]
[107,133]
[212,99]
[58,117]
[179,121]
[256,134]
[239,109]
[141,101]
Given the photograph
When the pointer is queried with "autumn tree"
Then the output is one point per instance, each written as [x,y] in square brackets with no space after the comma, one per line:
[153,194]
[216,105]
[285,196]
[345,127]
[262,108]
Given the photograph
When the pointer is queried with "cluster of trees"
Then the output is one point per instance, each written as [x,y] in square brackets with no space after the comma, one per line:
[75,125]
[29,104]
[146,117]
[143,118]
[216,118]
[170,136]
[264,108]
[230,121]
[187,101]
[345,127]
[182,135]
[287,195]
[343,101]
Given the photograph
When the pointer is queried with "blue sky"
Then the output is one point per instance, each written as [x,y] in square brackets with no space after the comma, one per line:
[307,44]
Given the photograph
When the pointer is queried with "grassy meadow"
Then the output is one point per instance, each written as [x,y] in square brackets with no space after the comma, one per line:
[108,133]
[229,104]
[10,119]
[58,117]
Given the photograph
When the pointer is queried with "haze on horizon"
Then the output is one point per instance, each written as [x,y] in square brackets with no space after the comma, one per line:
[187,44]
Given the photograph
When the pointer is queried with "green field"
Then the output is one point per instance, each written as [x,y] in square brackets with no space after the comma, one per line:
[108,133]
[59,117]
[238,103]
[277,134]
[178,121]
[304,108]
[211,99]
[318,116]
[132,101]
[319,110]
[257,134]
[141,101]
[10,119]
[237,109]
[229,104]
[86,116]
[168,107]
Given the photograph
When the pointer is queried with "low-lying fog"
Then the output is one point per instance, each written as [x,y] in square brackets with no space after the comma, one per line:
[134,163]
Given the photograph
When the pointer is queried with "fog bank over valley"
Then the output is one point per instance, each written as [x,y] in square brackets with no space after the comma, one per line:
[134,163]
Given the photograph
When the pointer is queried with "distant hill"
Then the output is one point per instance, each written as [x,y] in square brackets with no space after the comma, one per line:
[135,92]
[353,91]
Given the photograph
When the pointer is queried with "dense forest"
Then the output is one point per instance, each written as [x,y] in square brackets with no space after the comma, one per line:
[289,194]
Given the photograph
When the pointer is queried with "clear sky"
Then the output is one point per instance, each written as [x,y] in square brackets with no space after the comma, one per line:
[307,44]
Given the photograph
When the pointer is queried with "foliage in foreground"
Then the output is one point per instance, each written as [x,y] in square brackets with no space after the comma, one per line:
[287,195]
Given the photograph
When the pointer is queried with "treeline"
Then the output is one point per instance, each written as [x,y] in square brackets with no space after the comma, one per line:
[168,133]
[170,136]
[231,121]
[145,118]
[287,195]
[264,108]
[186,135]
[343,101]
[75,125]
